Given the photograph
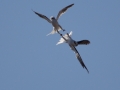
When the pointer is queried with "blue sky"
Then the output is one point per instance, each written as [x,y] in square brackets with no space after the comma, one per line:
[30,60]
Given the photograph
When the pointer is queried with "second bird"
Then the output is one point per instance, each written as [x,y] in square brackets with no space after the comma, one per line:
[72,43]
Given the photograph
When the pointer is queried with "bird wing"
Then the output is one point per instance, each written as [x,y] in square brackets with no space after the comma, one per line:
[63,10]
[70,34]
[62,40]
[79,58]
[42,16]
[83,42]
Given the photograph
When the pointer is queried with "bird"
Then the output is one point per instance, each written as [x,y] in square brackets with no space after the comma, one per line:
[72,43]
[75,43]
[53,20]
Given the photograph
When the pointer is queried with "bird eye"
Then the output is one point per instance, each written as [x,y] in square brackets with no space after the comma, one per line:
[53,18]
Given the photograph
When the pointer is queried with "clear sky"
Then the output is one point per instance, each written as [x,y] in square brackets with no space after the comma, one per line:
[30,60]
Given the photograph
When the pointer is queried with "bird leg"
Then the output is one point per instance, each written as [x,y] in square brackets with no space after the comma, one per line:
[59,32]
[61,28]
[68,35]
[63,37]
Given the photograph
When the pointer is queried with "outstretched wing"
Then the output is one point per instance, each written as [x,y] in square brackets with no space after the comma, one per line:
[63,10]
[79,58]
[42,16]
[83,42]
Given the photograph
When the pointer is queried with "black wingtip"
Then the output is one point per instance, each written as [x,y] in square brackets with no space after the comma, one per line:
[71,4]
[33,10]
[86,69]
[83,65]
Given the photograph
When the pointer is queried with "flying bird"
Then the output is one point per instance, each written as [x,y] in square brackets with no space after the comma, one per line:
[53,20]
[72,43]
[69,39]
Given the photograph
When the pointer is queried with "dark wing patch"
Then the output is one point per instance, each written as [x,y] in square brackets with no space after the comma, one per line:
[83,42]
[80,59]
[42,16]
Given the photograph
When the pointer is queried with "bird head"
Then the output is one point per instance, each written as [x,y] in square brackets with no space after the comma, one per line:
[52,18]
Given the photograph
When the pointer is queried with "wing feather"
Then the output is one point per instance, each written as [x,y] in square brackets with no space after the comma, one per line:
[42,16]
[79,58]
[62,40]
[83,42]
[62,11]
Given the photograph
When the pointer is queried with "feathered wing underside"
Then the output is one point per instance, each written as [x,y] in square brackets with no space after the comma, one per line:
[63,10]
[83,42]
[62,40]
[79,58]
[42,16]
[66,37]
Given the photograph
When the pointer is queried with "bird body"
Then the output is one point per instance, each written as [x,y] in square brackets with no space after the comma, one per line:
[72,43]
[54,21]
[56,25]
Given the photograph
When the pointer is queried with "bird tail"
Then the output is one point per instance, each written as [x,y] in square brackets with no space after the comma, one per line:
[53,32]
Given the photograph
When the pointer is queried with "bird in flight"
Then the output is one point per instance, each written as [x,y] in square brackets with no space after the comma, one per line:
[72,43]
[54,21]
[69,39]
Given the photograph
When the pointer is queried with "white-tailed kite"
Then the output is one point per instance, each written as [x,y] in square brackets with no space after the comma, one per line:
[53,20]
[72,43]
